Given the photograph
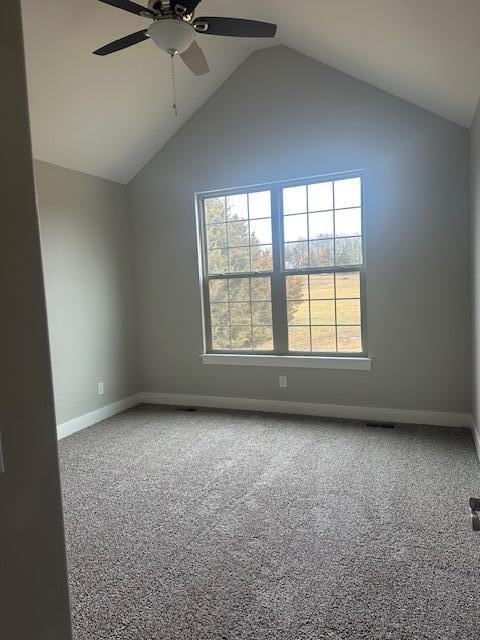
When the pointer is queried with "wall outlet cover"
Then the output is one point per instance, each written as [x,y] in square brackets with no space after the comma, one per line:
[100,388]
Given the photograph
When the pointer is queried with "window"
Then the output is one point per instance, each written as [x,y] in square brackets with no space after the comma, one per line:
[283,268]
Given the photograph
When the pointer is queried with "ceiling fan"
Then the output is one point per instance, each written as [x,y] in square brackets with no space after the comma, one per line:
[175,27]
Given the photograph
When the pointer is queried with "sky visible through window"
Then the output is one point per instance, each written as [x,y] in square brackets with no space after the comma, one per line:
[322,211]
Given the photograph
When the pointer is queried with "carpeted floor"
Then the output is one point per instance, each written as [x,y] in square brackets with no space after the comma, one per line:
[219,525]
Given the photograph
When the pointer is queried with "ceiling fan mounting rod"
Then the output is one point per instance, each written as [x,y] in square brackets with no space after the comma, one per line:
[159,5]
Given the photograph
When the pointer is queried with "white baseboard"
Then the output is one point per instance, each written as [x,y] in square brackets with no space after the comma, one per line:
[377,414]
[82,422]
[476,437]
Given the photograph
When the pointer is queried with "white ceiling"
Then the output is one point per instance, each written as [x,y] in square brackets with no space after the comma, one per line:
[108,116]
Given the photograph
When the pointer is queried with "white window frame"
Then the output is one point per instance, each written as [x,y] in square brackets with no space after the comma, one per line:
[280,354]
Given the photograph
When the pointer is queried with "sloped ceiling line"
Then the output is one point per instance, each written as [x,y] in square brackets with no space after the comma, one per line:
[108,116]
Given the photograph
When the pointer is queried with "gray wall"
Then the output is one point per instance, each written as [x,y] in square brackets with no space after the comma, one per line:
[33,582]
[282,115]
[475,155]
[86,247]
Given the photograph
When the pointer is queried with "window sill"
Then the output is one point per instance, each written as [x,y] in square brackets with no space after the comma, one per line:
[299,362]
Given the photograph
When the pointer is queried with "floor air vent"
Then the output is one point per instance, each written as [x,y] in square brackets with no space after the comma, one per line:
[381,425]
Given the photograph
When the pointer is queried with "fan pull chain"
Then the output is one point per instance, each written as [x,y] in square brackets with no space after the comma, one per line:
[174,88]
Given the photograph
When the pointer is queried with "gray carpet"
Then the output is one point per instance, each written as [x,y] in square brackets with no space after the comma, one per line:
[220,525]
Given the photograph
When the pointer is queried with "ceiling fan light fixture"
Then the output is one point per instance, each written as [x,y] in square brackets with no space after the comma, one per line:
[175,30]
[172,35]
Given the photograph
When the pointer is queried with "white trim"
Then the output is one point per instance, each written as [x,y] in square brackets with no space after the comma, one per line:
[476,436]
[82,422]
[437,418]
[300,362]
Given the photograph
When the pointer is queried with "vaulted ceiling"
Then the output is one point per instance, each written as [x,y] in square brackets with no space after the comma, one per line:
[109,116]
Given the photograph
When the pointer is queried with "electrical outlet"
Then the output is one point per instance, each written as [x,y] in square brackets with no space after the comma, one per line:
[100,388]
[282,381]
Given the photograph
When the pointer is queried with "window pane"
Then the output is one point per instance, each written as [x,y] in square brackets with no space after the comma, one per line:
[298,312]
[348,193]
[322,286]
[334,225]
[322,311]
[218,291]
[262,258]
[261,289]
[218,261]
[238,234]
[348,284]
[239,289]
[220,313]
[242,338]
[240,313]
[238,317]
[214,210]
[324,339]
[321,253]
[321,225]
[261,231]
[320,196]
[296,255]
[297,287]
[259,204]
[216,235]
[348,251]
[295,228]
[262,338]
[294,200]
[348,312]
[221,337]
[312,304]
[348,222]
[262,313]
[299,339]
[239,260]
[237,207]
[349,339]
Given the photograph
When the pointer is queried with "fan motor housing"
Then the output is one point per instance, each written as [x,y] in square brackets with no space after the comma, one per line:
[165,7]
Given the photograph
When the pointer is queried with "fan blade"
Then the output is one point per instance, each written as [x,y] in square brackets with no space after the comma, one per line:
[132,7]
[195,60]
[185,7]
[122,43]
[235,27]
